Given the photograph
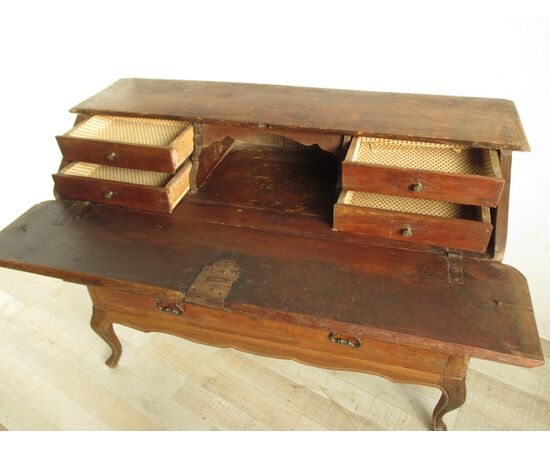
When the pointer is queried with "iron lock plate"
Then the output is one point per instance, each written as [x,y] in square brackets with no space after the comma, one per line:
[213,284]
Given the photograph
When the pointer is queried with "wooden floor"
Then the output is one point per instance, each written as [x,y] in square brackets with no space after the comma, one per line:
[52,376]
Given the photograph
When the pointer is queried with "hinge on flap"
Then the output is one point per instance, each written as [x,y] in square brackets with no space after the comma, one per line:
[213,284]
[455,267]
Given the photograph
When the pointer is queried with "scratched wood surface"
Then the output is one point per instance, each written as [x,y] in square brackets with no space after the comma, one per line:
[296,278]
[165,382]
[303,277]
[482,122]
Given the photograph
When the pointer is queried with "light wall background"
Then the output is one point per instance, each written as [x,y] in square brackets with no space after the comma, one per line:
[55,54]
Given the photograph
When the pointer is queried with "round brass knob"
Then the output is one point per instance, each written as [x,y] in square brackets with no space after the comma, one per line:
[111,156]
[407,232]
[417,187]
[109,195]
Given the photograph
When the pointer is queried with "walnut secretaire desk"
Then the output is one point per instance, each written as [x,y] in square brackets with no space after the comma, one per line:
[349,230]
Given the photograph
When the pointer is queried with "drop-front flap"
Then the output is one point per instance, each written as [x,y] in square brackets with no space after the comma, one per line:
[388,294]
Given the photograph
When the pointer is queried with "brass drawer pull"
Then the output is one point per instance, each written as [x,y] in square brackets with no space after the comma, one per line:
[108,195]
[407,232]
[176,309]
[417,187]
[344,340]
[112,156]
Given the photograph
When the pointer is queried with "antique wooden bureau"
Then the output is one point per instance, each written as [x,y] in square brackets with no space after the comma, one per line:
[348,230]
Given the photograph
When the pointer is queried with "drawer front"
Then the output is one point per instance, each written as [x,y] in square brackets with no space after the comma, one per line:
[224,328]
[448,187]
[162,198]
[421,170]
[137,143]
[448,232]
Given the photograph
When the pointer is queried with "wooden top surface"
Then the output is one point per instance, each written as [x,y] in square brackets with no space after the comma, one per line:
[389,294]
[482,122]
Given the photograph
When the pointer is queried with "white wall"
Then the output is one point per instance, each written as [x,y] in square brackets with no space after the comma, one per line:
[55,54]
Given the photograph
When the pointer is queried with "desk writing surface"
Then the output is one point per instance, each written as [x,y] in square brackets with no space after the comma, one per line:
[491,123]
[389,294]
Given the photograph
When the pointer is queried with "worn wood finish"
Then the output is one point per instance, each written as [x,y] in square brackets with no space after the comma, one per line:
[248,187]
[453,391]
[447,187]
[294,279]
[470,235]
[268,337]
[249,259]
[309,345]
[500,214]
[329,142]
[274,179]
[169,383]
[477,122]
[162,199]
[206,158]
[103,327]
[142,157]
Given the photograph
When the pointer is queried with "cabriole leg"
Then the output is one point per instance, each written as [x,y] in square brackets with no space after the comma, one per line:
[104,330]
[453,395]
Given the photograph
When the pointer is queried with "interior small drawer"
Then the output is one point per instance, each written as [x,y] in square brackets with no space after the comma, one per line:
[446,172]
[139,189]
[425,222]
[133,142]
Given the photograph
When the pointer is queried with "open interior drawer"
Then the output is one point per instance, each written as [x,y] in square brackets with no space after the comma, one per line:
[134,142]
[446,172]
[139,189]
[426,222]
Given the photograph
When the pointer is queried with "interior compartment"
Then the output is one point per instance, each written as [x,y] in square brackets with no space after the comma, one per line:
[424,222]
[134,142]
[414,206]
[118,174]
[283,177]
[139,189]
[447,158]
[422,170]
[131,130]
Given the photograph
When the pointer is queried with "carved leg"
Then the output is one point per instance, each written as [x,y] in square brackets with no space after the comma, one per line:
[453,395]
[104,330]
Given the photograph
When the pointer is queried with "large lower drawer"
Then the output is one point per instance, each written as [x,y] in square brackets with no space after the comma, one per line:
[324,347]
[423,170]
[133,142]
[139,189]
[425,222]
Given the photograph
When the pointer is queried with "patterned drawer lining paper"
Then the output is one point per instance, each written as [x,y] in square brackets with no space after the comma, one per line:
[120,174]
[131,130]
[422,155]
[411,205]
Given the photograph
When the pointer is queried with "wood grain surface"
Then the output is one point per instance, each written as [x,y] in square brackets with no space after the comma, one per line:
[143,157]
[167,383]
[478,122]
[295,279]
[306,344]
[471,235]
[448,187]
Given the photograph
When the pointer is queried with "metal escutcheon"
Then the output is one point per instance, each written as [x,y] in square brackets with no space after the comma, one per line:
[407,232]
[344,340]
[176,309]
[109,195]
